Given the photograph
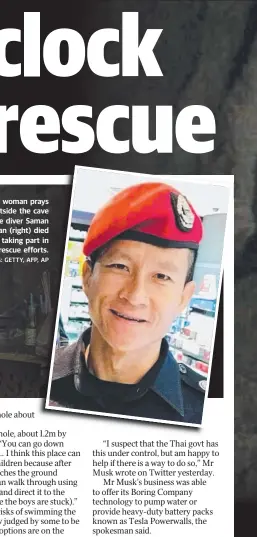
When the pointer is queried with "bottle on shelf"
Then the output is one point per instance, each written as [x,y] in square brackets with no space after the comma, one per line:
[31,328]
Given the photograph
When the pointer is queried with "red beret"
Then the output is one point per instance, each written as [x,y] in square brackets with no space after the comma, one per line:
[155,213]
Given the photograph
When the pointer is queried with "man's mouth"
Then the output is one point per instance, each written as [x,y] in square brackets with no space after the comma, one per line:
[128,317]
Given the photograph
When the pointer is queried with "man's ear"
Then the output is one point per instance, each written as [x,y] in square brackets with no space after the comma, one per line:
[187,294]
[86,274]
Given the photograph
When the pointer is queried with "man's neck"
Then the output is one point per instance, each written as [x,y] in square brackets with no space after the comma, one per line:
[113,365]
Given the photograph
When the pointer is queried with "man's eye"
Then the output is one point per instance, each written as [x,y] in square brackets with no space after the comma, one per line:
[118,266]
[163,277]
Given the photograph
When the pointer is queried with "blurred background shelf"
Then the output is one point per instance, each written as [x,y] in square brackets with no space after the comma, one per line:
[28,358]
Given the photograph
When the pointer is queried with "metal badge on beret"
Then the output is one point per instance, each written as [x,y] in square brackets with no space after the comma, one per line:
[183,214]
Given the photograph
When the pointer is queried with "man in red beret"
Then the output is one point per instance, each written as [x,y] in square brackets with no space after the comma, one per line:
[140,253]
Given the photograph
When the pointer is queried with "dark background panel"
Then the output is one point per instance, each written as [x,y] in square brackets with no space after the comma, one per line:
[208,55]
[24,369]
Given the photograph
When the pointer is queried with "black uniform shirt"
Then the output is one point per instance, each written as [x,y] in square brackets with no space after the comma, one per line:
[160,394]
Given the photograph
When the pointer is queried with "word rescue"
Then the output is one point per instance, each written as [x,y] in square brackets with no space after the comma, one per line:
[135,53]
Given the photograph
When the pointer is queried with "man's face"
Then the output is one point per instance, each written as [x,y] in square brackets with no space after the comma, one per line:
[135,291]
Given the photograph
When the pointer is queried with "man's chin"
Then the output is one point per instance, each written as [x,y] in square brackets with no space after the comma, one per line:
[125,345]
[124,342]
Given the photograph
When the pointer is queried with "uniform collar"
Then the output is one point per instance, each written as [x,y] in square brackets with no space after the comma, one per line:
[166,385]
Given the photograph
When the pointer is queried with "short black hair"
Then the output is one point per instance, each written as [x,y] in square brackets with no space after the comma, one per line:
[191,265]
[191,261]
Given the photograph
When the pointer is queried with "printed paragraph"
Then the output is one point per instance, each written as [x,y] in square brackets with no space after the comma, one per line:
[143,484]
[24,231]
[38,492]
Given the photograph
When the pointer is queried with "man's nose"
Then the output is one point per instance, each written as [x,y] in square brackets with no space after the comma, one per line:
[134,291]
